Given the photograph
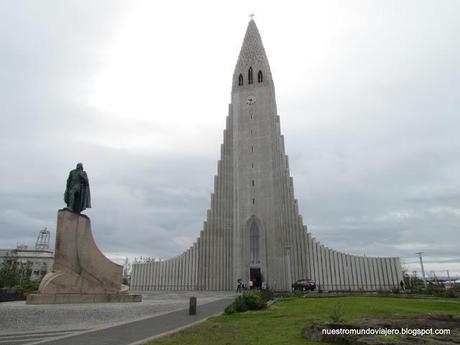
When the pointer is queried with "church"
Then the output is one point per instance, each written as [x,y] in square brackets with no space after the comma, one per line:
[253,229]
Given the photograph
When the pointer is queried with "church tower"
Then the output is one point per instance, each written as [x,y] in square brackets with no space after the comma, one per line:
[253,229]
[266,223]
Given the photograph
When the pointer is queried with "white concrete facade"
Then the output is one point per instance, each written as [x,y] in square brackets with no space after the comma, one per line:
[254,224]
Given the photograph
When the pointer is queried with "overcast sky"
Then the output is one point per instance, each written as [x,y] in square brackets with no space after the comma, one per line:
[368,94]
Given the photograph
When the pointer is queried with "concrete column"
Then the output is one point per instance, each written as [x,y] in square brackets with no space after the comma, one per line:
[198,268]
[348,274]
[212,241]
[398,269]
[139,277]
[163,275]
[221,223]
[383,273]
[166,275]
[372,274]
[155,275]
[374,282]
[376,274]
[183,269]
[169,264]
[336,273]
[174,274]
[172,280]
[158,276]
[188,267]
[362,265]
[351,280]
[319,269]
[332,283]
[323,267]
[343,271]
[381,277]
[394,275]
[134,277]
[386,276]
[359,272]
[340,270]
[142,271]
[311,270]
[304,249]
[327,252]
[314,259]
[201,262]
[335,258]
[180,273]
[353,272]
[150,276]
[301,245]
[364,272]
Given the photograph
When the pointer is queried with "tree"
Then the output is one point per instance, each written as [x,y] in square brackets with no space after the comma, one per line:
[13,272]
[9,271]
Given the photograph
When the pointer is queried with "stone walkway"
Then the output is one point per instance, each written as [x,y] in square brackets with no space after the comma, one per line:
[104,323]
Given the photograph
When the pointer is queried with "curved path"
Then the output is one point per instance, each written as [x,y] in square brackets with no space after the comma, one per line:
[160,314]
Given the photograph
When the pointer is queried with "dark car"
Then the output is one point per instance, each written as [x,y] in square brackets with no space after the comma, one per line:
[304,284]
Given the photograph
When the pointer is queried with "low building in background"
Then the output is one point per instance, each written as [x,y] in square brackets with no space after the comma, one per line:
[40,257]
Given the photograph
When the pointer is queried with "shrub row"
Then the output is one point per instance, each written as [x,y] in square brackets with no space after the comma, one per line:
[249,300]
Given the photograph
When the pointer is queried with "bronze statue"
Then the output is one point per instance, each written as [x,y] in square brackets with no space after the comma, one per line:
[77,195]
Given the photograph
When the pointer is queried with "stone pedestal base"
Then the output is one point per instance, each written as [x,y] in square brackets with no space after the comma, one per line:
[68,298]
[81,273]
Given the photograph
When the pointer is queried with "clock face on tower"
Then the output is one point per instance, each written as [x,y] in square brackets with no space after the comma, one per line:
[251,100]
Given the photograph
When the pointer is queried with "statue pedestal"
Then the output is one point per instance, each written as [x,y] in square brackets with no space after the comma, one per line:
[81,273]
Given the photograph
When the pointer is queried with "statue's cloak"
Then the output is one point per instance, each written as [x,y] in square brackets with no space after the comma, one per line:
[85,200]
[78,186]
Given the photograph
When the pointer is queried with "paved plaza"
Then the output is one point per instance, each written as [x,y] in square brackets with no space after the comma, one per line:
[159,312]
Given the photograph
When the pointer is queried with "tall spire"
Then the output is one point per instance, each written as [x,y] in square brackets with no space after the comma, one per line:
[252,54]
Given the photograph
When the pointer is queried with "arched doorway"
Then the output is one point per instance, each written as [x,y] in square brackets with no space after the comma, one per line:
[255,274]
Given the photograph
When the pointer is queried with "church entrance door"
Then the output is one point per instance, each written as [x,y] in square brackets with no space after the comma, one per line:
[256,277]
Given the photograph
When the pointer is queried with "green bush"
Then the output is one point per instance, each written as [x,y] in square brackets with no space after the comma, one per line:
[250,300]
[28,286]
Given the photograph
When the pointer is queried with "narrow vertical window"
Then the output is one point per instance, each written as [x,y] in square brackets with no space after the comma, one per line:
[253,201]
[253,183]
[252,165]
[240,80]
[260,77]
[254,243]
[250,79]
[252,148]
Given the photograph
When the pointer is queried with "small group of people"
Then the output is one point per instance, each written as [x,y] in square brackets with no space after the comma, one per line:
[241,286]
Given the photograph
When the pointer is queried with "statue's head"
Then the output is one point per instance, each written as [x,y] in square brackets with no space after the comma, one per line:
[80,166]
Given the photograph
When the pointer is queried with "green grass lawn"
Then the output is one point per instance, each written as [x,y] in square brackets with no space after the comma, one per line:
[283,322]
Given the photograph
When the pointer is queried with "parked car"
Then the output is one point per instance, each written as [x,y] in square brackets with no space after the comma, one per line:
[304,284]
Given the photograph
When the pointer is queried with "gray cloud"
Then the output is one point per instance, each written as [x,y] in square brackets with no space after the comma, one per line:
[370,118]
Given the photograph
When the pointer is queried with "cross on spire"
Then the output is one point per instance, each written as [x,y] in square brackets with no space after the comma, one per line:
[252,16]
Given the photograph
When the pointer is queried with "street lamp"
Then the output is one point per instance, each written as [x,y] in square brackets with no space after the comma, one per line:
[421,265]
